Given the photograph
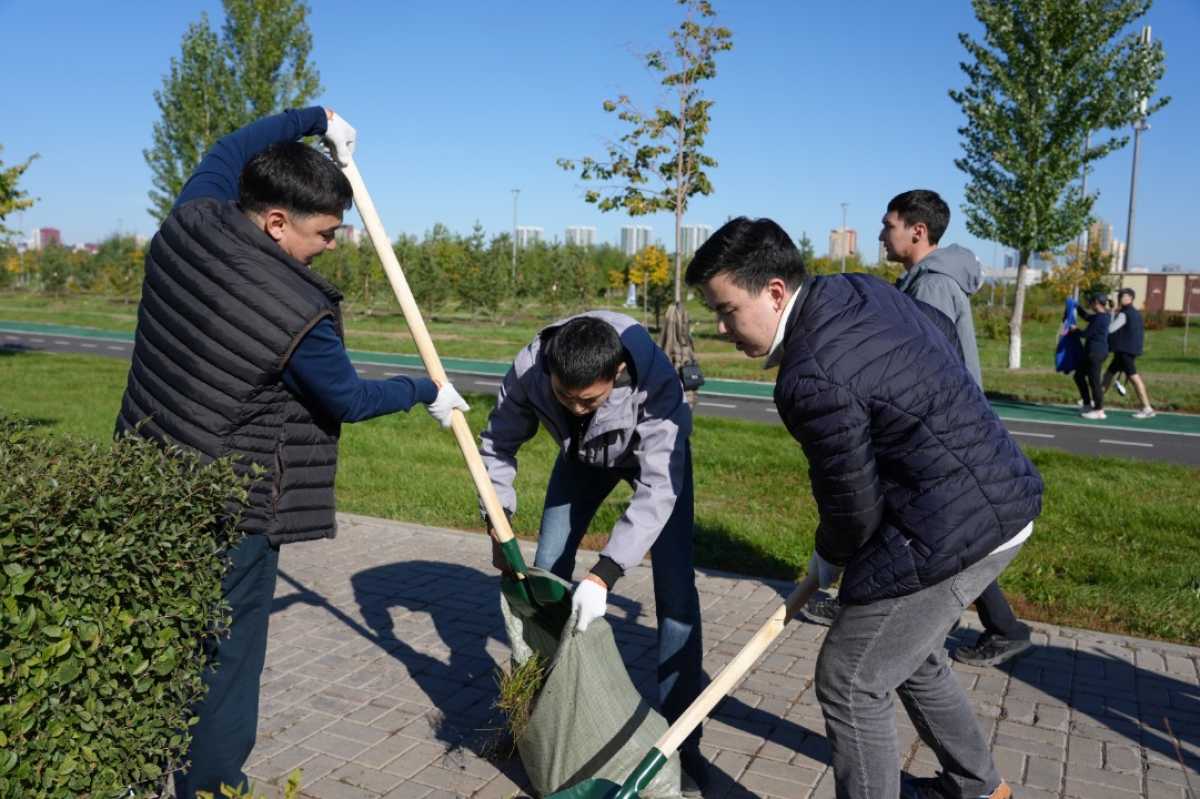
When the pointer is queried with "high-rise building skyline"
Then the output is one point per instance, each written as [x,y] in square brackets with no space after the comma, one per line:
[47,237]
[528,235]
[843,241]
[635,238]
[580,236]
[691,237]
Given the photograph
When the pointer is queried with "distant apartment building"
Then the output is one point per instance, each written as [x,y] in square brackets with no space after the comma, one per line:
[348,234]
[843,241]
[580,236]
[47,237]
[635,238]
[691,237]
[1117,254]
[528,236]
[1100,234]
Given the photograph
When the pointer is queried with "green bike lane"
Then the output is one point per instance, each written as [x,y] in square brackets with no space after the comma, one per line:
[1007,409]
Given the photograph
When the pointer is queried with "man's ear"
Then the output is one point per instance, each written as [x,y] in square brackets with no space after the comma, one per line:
[778,289]
[275,223]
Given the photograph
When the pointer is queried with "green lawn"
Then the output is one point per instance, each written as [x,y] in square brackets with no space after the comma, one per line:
[1116,548]
[1173,377]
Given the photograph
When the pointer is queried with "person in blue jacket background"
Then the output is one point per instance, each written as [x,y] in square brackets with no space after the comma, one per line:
[239,353]
[1095,351]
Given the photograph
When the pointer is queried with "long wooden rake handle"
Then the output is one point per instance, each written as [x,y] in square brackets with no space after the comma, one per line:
[735,669]
[433,364]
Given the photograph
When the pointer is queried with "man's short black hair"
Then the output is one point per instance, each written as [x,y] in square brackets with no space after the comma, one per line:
[583,351]
[924,206]
[1132,294]
[295,177]
[752,251]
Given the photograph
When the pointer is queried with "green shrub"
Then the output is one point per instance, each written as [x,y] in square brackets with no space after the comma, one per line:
[110,584]
[992,322]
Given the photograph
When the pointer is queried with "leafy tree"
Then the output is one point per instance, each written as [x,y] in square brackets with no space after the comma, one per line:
[651,271]
[1087,271]
[258,66]
[805,246]
[826,265]
[1046,74]
[477,279]
[664,145]
[13,198]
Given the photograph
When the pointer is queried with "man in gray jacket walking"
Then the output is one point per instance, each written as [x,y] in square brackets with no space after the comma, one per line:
[944,277]
[615,406]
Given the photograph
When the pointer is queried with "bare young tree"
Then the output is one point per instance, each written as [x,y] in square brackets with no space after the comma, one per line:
[659,163]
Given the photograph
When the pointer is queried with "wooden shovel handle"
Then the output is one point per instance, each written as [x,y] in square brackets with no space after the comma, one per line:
[735,669]
[429,356]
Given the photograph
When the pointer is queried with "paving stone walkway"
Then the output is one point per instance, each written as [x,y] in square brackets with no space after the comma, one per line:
[379,683]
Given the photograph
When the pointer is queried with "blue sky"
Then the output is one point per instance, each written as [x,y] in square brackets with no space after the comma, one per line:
[457,103]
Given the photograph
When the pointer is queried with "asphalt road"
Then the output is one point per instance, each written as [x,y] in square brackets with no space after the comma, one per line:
[1118,438]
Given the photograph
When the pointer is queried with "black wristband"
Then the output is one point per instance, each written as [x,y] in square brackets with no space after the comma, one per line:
[607,570]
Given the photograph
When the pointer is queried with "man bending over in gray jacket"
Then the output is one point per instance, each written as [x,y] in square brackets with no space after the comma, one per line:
[944,277]
[614,404]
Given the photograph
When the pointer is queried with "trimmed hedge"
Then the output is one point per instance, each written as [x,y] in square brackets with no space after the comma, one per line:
[110,584]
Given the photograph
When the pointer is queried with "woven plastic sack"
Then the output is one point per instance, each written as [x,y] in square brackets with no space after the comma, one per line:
[588,720]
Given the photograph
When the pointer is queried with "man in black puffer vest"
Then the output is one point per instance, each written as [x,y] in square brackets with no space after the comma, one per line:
[1126,337]
[238,352]
[922,495]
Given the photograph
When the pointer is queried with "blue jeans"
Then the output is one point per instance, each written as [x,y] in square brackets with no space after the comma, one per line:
[572,498]
[228,714]
[897,645]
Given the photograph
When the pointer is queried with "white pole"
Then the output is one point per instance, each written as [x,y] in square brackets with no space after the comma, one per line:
[845,238]
[515,192]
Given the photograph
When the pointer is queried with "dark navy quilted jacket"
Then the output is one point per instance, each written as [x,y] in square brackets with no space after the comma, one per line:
[914,476]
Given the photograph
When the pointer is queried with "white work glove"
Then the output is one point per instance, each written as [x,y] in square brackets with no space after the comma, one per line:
[590,600]
[447,400]
[826,573]
[340,138]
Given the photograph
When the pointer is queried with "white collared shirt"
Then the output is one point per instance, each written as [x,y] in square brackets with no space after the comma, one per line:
[775,354]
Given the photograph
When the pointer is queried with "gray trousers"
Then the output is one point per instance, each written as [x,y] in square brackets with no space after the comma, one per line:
[897,645]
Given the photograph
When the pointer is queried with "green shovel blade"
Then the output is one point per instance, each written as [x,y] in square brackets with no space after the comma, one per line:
[534,596]
[607,789]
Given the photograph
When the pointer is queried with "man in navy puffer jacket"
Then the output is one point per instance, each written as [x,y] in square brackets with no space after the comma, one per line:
[922,495]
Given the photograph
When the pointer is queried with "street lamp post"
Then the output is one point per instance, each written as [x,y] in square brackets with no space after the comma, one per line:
[1138,127]
[844,238]
[515,192]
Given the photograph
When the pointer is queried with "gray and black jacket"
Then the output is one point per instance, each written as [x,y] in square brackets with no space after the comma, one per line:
[946,279]
[641,431]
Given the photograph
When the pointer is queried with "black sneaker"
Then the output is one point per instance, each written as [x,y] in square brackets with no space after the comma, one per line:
[991,650]
[821,610]
[931,788]
[693,770]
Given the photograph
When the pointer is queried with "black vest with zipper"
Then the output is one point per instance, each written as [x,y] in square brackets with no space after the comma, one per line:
[1130,338]
[222,310]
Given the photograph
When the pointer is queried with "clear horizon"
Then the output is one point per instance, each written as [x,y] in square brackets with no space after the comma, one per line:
[813,107]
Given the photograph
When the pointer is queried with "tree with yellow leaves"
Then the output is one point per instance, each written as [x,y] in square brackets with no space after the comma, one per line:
[651,271]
